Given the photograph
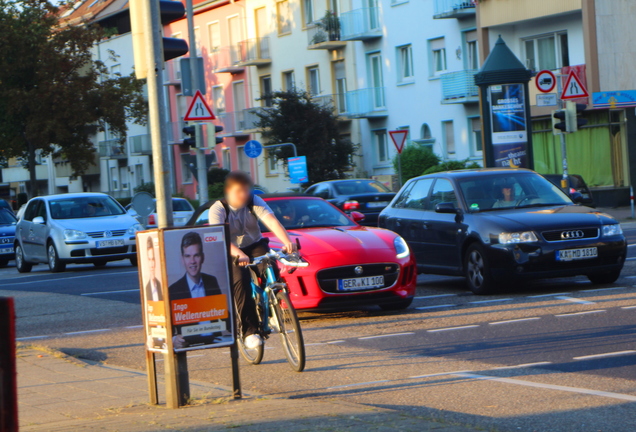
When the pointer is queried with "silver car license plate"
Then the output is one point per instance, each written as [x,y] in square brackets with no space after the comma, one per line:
[109,243]
[577,254]
[6,250]
[361,283]
[377,204]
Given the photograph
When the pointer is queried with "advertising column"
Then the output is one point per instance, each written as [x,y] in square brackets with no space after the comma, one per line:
[509,129]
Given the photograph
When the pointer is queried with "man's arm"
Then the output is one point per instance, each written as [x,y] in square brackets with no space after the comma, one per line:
[279,231]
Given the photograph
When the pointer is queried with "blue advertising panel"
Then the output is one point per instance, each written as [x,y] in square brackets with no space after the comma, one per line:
[509,128]
[614,99]
[253,149]
[297,167]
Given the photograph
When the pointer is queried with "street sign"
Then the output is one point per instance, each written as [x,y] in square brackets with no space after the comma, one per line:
[399,138]
[548,99]
[297,167]
[545,81]
[199,109]
[573,88]
[614,99]
[253,149]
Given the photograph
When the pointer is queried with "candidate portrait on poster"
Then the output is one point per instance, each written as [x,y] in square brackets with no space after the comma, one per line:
[152,285]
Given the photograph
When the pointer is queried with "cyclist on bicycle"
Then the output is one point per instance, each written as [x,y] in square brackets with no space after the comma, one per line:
[242,210]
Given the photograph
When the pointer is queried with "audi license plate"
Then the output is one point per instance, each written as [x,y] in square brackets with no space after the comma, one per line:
[377,204]
[109,243]
[576,254]
[361,283]
[6,251]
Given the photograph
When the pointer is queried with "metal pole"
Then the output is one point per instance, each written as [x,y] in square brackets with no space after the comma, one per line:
[399,157]
[284,144]
[564,152]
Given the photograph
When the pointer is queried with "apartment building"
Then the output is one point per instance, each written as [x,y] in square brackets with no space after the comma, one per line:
[591,38]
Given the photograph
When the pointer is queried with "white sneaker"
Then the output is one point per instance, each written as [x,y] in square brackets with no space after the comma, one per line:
[253,341]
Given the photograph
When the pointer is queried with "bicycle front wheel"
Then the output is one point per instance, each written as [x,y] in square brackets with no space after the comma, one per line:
[253,356]
[290,331]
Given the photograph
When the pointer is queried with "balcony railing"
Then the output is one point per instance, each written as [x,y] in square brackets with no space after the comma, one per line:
[174,131]
[233,123]
[360,24]
[324,35]
[454,8]
[368,102]
[252,117]
[111,149]
[227,59]
[459,87]
[254,52]
[140,144]
[336,102]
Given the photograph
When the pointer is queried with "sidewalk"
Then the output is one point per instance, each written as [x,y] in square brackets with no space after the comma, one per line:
[58,393]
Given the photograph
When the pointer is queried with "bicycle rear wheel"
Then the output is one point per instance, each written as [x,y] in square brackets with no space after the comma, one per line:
[253,356]
[290,332]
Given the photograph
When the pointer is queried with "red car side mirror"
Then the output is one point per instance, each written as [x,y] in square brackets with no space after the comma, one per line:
[357,216]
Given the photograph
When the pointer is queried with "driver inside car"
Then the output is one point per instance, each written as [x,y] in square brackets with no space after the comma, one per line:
[506,194]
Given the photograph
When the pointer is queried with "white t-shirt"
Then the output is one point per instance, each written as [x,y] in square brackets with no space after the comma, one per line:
[244,229]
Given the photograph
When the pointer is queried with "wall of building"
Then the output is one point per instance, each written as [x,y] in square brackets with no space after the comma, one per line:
[497,12]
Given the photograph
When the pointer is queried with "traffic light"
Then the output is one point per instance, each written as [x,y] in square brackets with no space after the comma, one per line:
[574,122]
[217,130]
[192,132]
[559,121]
[171,11]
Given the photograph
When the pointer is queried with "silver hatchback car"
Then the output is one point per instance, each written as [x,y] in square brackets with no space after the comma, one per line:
[74,228]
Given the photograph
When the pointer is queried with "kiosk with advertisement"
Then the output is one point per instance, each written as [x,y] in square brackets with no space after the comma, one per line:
[186,301]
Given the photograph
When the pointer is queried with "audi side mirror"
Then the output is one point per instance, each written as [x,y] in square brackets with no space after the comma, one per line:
[576,197]
[446,207]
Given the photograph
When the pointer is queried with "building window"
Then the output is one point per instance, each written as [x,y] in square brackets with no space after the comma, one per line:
[218,99]
[214,37]
[227,159]
[266,91]
[139,174]
[308,11]
[243,161]
[272,163]
[313,78]
[475,129]
[449,138]
[340,78]
[283,17]
[547,51]
[376,79]
[289,81]
[381,146]
[115,71]
[405,63]
[186,174]
[114,179]
[438,56]
[471,57]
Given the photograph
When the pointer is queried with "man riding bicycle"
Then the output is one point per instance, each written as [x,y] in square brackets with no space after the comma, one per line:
[242,210]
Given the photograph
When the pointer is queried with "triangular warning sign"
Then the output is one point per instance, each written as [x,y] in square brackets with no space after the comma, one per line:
[199,109]
[399,138]
[573,88]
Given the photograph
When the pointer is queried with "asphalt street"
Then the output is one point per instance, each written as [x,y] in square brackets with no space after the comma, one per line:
[555,355]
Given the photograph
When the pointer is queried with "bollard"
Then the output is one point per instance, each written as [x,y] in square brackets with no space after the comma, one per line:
[8,381]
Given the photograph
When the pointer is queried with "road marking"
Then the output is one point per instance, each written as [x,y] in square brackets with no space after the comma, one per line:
[514,320]
[524,365]
[439,374]
[357,384]
[548,295]
[435,307]
[31,337]
[575,300]
[630,259]
[628,307]
[630,277]
[335,342]
[134,327]
[603,289]
[87,331]
[110,292]
[631,245]
[386,335]
[611,354]
[581,313]
[490,301]
[551,387]
[452,328]
[67,278]
[434,296]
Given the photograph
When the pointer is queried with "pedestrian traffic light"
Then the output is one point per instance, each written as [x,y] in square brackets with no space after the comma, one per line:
[192,139]
[217,130]
[559,121]
[574,122]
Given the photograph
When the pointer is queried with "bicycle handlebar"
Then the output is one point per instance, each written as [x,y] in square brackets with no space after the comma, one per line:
[290,260]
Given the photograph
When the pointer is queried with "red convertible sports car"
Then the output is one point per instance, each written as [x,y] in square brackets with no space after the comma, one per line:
[349,265]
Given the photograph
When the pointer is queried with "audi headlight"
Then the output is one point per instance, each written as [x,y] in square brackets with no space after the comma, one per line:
[612,230]
[401,248]
[133,229]
[71,234]
[517,237]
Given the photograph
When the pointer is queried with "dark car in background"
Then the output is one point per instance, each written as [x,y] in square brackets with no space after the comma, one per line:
[576,184]
[7,236]
[367,196]
[498,226]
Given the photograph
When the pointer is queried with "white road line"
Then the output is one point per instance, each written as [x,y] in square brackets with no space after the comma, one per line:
[386,335]
[548,295]
[435,307]
[87,331]
[335,342]
[110,292]
[134,327]
[439,374]
[452,328]
[316,343]
[31,337]
[519,366]
[551,387]
[490,301]
[630,259]
[630,277]
[434,296]
[631,245]
[628,307]
[581,313]
[357,384]
[603,289]
[610,354]
[67,278]
[575,300]
[514,320]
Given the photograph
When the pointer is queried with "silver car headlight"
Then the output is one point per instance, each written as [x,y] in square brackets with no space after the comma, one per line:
[517,237]
[612,230]
[401,248]
[71,234]
[133,229]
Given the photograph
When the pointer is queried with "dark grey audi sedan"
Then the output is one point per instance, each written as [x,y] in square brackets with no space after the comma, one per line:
[495,226]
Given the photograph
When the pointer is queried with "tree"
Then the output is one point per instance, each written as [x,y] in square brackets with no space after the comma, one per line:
[53,95]
[313,128]
[452,165]
[415,159]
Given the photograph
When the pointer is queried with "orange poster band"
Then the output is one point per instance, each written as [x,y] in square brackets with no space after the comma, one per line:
[195,310]
[155,313]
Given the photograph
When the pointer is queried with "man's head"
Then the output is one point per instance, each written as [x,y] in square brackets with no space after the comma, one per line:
[238,189]
[150,256]
[192,255]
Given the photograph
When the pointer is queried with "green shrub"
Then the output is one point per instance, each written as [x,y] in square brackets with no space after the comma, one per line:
[124,201]
[215,191]
[415,159]
[451,166]
[146,187]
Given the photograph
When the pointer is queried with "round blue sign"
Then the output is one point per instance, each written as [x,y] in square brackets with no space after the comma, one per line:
[253,149]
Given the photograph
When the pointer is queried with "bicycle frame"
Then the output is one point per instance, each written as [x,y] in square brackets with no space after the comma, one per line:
[270,282]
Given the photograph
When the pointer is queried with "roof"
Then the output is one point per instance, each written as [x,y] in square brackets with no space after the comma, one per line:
[347,179]
[475,172]
[85,11]
[72,195]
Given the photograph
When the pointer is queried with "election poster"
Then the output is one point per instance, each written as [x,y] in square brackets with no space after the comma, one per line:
[509,129]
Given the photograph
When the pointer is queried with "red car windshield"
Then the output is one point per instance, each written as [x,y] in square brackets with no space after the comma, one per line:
[307,213]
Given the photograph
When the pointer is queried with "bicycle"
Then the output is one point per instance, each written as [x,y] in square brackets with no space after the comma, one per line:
[275,311]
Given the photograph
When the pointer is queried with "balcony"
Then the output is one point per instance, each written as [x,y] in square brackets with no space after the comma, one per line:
[140,144]
[251,117]
[233,124]
[254,52]
[366,103]
[336,102]
[21,174]
[174,131]
[360,24]
[227,60]
[454,9]
[459,87]
[172,73]
[325,35]
[112,149]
